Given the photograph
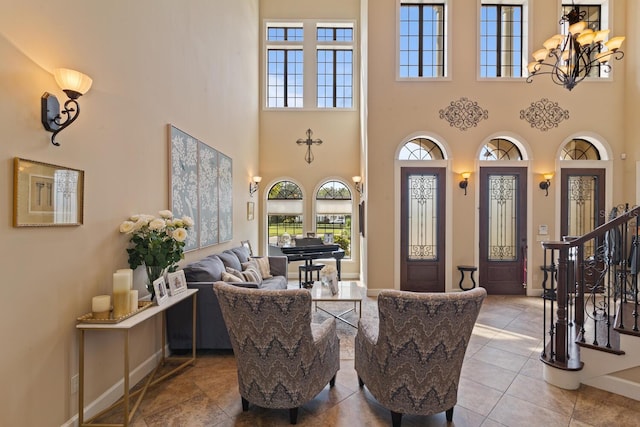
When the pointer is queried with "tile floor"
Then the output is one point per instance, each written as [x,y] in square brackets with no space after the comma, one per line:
[501,385]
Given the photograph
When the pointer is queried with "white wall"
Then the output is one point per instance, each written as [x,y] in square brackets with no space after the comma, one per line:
[192,64]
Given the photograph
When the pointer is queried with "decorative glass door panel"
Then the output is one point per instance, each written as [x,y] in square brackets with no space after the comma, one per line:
[422,229]
[423,218]
[502,218]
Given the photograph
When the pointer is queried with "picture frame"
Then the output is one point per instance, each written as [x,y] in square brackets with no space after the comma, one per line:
[328,239]
[250,211]
[46,195]
[311,235]
[177,282]
[160,289]
[247,244]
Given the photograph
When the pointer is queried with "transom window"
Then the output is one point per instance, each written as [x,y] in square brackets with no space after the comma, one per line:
[333,214]
[284,212]
[592,16]
[501,39]
[500,149]
[285,66]
[420,149]
[332,68]
[579,149]
[422,40]
[335,67]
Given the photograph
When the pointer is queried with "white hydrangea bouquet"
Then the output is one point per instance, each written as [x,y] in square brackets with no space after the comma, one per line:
[329,275]
[156,242]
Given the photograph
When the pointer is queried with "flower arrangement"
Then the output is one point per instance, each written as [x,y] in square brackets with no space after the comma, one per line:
[157,242]
[328,270]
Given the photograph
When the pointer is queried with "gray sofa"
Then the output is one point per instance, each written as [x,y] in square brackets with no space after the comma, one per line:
[211,331]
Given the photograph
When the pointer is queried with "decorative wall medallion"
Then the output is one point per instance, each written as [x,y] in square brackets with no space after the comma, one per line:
[544,114]
[463,114]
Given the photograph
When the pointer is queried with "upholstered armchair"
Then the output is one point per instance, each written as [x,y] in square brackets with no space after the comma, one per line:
[410,360]
[283,360]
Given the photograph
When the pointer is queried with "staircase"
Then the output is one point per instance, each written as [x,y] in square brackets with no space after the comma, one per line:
[591,307]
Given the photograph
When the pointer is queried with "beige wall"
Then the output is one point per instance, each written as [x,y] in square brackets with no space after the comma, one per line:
[338,157]
[397,109]
[192,64]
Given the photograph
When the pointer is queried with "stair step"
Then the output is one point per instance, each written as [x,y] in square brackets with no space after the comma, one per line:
[595,336]
[626,321]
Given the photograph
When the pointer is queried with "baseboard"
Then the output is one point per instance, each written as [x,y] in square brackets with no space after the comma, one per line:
[615,385]
[115,392]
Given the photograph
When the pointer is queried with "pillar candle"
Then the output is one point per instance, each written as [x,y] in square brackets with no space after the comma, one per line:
[133,300]
[120,294]
[129,274]
[101,303]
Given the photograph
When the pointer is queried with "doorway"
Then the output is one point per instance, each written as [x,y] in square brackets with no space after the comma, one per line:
[422,229]
[503,236]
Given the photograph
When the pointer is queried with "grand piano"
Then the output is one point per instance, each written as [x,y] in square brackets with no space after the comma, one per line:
[309,248]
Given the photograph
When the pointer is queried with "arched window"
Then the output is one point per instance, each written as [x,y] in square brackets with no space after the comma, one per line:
[333,214]
[500,149]
[284,212]
[579,149]
[420,149]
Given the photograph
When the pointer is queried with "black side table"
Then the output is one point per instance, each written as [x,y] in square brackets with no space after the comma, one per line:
[471,269]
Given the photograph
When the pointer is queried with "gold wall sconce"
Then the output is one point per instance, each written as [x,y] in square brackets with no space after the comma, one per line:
[465,181]
[74,84]
[357,180]
[544,185]
[254,185]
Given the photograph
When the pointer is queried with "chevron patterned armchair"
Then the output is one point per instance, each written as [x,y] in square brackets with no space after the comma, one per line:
[283,359]
[411,359]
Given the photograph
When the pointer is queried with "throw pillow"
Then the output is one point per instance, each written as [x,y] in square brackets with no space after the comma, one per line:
[235,272]
[252,274]
[231,278]
[264,267]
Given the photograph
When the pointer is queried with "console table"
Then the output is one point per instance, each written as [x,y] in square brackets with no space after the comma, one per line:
[125,326]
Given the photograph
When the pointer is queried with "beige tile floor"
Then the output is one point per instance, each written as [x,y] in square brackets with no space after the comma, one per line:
[501,385]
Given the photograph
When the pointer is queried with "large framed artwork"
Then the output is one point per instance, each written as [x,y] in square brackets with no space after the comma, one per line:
[46,194]
[202,187]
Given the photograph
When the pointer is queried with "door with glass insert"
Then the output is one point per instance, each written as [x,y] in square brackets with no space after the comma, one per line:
[582,210]
[422,229]
[503,237]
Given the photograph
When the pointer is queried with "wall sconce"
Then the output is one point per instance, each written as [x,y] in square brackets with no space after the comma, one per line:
[465,181]
[359,185]
[253,186]
[544,185]
[74,84]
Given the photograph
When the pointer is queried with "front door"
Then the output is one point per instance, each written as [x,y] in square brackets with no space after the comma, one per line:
[582,210]
[503,236]
[422,229]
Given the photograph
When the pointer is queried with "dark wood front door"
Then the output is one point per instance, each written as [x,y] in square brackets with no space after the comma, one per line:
[422,229]
[503,234]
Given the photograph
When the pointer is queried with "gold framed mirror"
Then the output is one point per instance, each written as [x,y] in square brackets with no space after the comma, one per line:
[46,195]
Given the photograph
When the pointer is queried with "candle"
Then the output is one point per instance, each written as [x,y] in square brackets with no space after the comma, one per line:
[100,303]
[100,306]
[120,294]
[129,274]
[133,300]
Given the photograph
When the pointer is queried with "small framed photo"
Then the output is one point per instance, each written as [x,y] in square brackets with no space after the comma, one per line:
[328,238]
[247,244]
[160,288]
[177,282]
[250,211]
[311,235]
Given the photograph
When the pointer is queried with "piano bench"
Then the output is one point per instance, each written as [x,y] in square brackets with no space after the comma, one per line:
[308,273]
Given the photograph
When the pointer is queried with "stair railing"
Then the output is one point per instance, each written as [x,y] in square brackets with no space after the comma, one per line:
[590,276]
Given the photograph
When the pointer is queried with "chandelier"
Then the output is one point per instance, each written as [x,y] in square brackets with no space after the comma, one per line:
[569,59]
